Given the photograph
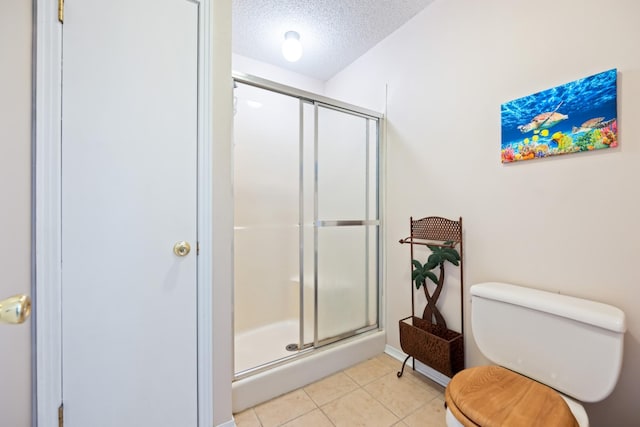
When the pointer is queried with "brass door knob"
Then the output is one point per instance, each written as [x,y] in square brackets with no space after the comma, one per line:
[182,248]
[15,309]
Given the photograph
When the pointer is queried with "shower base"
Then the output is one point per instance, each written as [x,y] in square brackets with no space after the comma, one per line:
[312,366]
[265,344]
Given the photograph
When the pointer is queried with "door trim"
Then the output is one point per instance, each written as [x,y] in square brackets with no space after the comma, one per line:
[46,239]
[47,218]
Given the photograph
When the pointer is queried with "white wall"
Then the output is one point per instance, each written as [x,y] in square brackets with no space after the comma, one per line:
[222,286]
[567,224]
[15,211]
[263,70]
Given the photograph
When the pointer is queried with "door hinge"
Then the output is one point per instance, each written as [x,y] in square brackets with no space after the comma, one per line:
[61,11]
[61,415]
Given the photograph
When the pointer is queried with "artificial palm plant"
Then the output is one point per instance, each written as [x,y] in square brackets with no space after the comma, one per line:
[439,255]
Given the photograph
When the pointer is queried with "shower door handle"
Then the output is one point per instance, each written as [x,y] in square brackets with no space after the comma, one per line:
[15,309]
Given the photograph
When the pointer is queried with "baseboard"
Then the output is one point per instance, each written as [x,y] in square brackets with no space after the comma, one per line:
[230,423]
[425,370]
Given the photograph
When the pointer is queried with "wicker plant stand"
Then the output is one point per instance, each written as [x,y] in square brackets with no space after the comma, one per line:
[435,346]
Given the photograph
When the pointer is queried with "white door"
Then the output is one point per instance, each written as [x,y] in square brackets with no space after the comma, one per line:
[129,185]
[15,210]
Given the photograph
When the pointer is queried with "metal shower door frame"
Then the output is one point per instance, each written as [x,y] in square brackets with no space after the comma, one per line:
[319,101]
[318,223]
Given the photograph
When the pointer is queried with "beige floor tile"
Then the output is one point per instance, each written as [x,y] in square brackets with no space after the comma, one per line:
[315,418]
[330,388]
[284,408]
[401,396]
[430,415]
[367,371]
[426,381]
[368,394]
[247,418]
[423,378]
[358,408]
[389,361]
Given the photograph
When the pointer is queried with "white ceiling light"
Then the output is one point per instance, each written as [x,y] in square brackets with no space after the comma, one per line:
[291,48]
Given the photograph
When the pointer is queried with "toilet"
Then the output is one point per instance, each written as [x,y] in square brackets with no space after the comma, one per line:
[550,352]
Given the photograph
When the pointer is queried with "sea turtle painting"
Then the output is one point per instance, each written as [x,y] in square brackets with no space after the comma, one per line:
[573,117]
[544,120]
[591,124]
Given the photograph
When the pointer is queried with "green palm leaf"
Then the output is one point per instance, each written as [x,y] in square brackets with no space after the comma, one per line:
[432,276]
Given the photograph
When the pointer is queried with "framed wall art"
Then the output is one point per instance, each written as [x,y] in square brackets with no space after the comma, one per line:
[571,118]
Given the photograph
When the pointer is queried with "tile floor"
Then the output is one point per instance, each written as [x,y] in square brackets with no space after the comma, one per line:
[368,394]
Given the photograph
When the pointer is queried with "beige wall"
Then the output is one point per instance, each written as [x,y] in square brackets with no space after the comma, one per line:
[15,205]
[567,224]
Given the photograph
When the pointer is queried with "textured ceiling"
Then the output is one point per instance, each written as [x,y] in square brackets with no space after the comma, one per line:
[333,32]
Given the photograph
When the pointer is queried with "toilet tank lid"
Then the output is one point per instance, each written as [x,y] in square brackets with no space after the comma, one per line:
[585,311]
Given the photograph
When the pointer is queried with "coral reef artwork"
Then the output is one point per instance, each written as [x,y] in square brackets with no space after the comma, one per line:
[574,117]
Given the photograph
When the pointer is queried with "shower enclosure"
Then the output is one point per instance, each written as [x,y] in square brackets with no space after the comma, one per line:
[307,230]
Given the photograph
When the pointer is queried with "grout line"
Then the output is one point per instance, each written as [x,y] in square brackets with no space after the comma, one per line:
[255,414]
[327,416]
[307,394]
[258,418]
[320,407]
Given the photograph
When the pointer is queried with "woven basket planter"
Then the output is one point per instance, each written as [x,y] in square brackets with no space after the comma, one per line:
[435,346]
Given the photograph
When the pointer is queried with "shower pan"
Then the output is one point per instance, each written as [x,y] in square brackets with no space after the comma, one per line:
[307,236]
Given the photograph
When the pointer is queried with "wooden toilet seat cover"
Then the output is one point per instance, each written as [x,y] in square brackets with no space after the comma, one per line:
[491,396]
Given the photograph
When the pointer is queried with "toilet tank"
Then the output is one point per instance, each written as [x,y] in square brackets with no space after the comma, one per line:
[571,344]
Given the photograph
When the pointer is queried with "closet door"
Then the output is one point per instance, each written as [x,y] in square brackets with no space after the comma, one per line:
[129,176]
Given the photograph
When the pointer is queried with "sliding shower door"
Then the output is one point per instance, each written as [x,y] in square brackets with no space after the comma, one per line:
[307,236]
[346,223]
[266,216]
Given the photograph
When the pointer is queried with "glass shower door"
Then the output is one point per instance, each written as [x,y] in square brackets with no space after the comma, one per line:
[306,243]
[266,242]
[346,224]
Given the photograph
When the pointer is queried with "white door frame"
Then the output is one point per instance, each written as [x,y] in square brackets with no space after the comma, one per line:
[47,218]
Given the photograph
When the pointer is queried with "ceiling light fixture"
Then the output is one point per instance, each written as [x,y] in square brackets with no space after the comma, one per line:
[291,48]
